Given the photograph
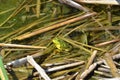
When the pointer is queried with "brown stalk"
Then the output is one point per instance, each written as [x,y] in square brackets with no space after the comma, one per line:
[75,43]
[100,28]
[102,69]
[90,61]
[103,73]
[74,4]
[88,71]
[111,64]
[21,61]
[38,9]
[115,49]
[107,42]
[94,65]
[57,25]
[111,2]
[57,68]
[20,46]
[73,76]
[109,14]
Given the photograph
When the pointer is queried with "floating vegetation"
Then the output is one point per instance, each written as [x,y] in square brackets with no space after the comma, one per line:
[59,39]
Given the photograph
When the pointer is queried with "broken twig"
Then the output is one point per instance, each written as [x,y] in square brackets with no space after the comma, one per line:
[107,42]
[20,46]
[38,68]
[111,64]
[74,4]
[90,61]
[111,2]
[65,66]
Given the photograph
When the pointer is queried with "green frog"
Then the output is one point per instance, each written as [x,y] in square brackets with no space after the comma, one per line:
[61,44]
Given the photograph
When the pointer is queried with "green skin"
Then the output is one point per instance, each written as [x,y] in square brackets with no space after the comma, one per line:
[61,45]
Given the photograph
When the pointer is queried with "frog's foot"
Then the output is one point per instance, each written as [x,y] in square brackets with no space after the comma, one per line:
[74,4]
[53,54]
[57,51]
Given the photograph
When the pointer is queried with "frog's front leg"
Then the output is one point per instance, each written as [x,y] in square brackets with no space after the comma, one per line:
[55,52]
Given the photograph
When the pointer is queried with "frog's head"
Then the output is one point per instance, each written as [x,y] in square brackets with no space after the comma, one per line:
[55,40]
[57,43]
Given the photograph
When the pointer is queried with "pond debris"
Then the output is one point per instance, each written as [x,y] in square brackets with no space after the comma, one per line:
[64,66]
[74,4]
[107,2]
[92,58]
[111,64]
[107,42]
[54,26]
[38,8]
[60,40]
[109,79]
[20,46]
[37,67]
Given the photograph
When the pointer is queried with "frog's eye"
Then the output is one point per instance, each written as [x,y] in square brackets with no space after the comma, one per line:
[53,41]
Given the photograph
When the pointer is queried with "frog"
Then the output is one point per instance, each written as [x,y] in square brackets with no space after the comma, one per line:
[61,45]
